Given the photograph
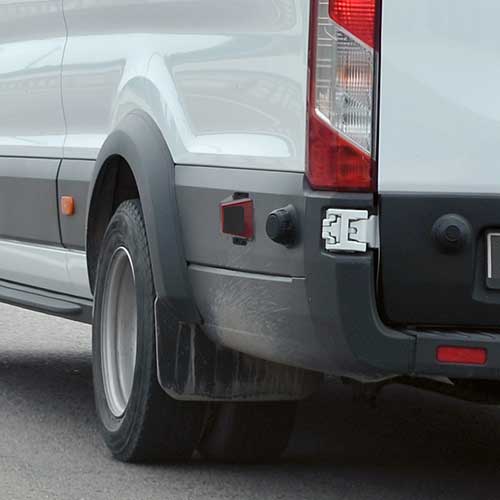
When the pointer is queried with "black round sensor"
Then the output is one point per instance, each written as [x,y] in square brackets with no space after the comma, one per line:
[281,225]
[451,232]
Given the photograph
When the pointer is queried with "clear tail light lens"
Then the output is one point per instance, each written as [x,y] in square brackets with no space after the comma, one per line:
[342,95]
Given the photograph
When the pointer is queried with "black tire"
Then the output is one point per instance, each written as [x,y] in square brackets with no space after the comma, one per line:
[248,432]
[153,427]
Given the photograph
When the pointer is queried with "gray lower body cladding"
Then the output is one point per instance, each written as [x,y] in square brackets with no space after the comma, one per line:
[258,314]
[256,298]
[300,306]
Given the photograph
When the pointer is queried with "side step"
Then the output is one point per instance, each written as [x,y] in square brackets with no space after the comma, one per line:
[46,302]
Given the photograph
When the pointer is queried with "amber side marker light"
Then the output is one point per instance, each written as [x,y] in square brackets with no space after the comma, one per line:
[67,205]
[462,355]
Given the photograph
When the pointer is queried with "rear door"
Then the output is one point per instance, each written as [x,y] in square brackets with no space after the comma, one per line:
[439,168]
[440,108]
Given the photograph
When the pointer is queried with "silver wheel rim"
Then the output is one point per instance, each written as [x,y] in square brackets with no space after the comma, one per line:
[119,332]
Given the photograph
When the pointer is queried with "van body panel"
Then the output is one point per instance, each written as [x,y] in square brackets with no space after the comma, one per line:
[200,190]
[32,38]
[45,267]
[226,82]
[74,180]
[28,200]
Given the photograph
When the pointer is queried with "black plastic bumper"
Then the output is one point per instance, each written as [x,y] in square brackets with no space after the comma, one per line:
[343,303]
[445,280]
[344,311]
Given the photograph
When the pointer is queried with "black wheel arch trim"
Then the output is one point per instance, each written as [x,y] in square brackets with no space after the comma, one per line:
[138,140]
[199,368]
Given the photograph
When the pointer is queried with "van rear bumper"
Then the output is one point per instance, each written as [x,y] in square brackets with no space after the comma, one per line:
[345,310]
[303,307]
[362,346]
[328,320]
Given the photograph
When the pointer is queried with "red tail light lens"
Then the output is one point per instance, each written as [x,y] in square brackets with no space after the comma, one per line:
[359,17]
[342,95]
[337,163]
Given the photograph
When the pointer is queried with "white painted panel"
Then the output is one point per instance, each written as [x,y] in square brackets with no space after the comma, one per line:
[32,38]
[440,110]
[78,277]
[49,268]
[226,81]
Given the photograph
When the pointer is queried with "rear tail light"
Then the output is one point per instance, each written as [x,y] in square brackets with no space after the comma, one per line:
[342,100]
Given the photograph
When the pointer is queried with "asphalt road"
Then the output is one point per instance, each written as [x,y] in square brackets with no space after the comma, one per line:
[413,445]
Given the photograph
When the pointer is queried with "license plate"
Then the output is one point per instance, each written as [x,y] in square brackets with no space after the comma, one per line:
[493,260]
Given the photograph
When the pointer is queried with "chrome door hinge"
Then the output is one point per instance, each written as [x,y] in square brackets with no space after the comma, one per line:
[350,230]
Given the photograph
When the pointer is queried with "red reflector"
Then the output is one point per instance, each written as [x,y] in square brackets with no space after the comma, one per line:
[335,163]
[237,218]
[462,355]
[357,17]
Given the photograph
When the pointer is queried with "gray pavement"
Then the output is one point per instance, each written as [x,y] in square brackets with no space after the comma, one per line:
[413,445]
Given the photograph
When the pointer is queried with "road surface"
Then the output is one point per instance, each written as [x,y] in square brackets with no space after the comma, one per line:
[413,445]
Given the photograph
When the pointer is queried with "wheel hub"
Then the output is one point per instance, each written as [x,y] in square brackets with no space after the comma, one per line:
[119,332]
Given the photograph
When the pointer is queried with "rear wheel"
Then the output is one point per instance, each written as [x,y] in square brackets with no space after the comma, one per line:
[138,421]
[248,432]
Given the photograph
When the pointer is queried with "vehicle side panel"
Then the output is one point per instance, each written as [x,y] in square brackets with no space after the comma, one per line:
[45,267]
[74,180]
[199,194]
[28,208]
[226,82]
[32,38]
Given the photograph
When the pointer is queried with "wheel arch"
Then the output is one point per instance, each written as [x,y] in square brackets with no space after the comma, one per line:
[190,366]
[138,146]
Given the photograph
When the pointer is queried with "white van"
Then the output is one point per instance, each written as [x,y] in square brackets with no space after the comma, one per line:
[243,196]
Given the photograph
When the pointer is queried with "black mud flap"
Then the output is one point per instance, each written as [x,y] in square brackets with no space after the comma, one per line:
[193,367]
